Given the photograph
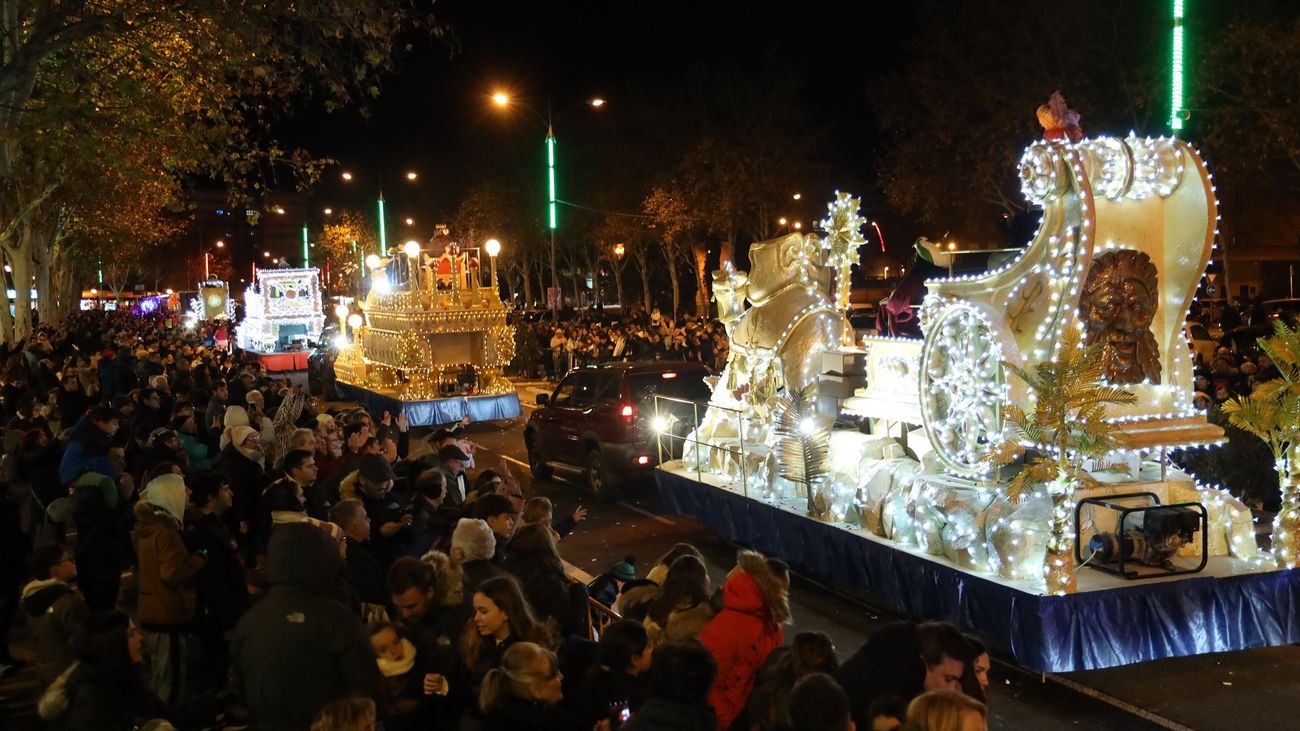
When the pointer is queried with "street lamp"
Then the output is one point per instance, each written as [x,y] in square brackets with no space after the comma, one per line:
[411,177]
[502,100]
[619,250]
[493,247]
[410,221]
[329,211]
[266,255]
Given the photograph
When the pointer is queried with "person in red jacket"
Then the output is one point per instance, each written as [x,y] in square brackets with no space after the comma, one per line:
[755,603]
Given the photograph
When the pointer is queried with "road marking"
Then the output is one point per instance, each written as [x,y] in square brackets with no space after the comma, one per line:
[629,506]
[1117,703]
[647,513]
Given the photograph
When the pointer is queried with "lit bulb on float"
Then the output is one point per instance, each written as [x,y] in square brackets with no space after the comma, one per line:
[355,320]
[341,312]
[374,262]
[411,249]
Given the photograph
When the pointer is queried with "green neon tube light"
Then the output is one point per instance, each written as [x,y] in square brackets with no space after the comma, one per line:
[550,178]
[1176,85]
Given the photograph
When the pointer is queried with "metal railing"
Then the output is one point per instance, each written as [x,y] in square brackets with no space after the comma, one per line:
[701,446]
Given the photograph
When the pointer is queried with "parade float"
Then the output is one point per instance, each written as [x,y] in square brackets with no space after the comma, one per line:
[282,316]
[430,339]
[1008,471]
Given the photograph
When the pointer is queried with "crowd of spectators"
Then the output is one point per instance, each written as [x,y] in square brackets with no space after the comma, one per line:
[191,542]
[601,338]
[1237,365]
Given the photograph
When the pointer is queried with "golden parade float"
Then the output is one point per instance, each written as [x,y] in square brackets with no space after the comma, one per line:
[430,338]
[1009,470]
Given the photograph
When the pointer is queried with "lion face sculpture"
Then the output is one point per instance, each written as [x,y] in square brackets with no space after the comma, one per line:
[1117,306]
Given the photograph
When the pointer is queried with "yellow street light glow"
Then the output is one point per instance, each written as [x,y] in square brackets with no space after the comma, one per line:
[355,320]
[411,248]
[266,255]
[220,243]
[797,196]
[493,247]
[329,211]
[346,175]
[501,99]
[798,225]
[598,102]
[279,210]
[410,221]
[619,250]
[169,291]
[92,289]
[952,246]
[374,262]
[412,175]
[781,220]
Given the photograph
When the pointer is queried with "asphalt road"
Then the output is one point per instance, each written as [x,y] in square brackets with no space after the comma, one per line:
[1242,690]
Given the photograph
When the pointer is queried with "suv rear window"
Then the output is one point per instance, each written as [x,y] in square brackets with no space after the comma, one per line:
[686,384]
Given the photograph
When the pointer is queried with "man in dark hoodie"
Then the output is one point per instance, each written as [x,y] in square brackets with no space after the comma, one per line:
[54,610]
[902,659]
[297,649]
[222,585]
[681,675]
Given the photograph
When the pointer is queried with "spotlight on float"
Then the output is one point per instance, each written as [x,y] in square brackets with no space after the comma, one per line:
[374,262]
[411,249]
[661,424]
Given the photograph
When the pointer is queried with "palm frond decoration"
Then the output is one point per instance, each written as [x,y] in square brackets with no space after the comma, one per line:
[1066,427]
[803,445]
[1068,422]
[1272,413]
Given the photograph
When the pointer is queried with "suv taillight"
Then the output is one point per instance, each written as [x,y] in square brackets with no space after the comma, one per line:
[627,413]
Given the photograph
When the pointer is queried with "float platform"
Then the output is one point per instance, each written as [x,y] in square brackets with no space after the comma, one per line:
[1232,605]
[434,412]
[282,362]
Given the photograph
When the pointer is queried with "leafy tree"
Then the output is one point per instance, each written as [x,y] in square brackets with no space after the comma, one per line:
[674,222]
[152,91]
[344,241]
[960,109]
[492,210]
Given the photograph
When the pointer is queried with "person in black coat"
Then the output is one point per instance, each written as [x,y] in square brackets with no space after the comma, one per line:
[297,650]
[524,692]
[364,569]
[221,584]
[619,678]
[903,660]
[681,675]
[535,561]
[242,464]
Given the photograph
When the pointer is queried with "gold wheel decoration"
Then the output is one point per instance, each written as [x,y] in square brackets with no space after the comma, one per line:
[962,389]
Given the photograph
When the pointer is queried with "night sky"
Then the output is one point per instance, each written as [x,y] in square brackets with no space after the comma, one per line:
[434,114]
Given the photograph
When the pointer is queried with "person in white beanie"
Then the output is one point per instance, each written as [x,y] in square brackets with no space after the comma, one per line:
[166,571]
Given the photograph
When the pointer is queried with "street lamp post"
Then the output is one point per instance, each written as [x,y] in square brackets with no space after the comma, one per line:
[501,99]
[493,248]
[411,177]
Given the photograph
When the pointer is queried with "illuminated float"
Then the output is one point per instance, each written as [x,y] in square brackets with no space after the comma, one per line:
[891,464]
[282,314]
[431,338]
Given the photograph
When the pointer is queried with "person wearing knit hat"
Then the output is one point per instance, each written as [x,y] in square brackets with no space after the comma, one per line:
[234,416]
[165,575]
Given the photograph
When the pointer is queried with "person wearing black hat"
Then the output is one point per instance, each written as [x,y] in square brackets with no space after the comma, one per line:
[453,460]
[390,519]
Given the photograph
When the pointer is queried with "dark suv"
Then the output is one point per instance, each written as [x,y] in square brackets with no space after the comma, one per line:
[599,421]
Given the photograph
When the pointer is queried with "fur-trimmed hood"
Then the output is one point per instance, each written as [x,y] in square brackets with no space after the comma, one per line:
[754,589]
